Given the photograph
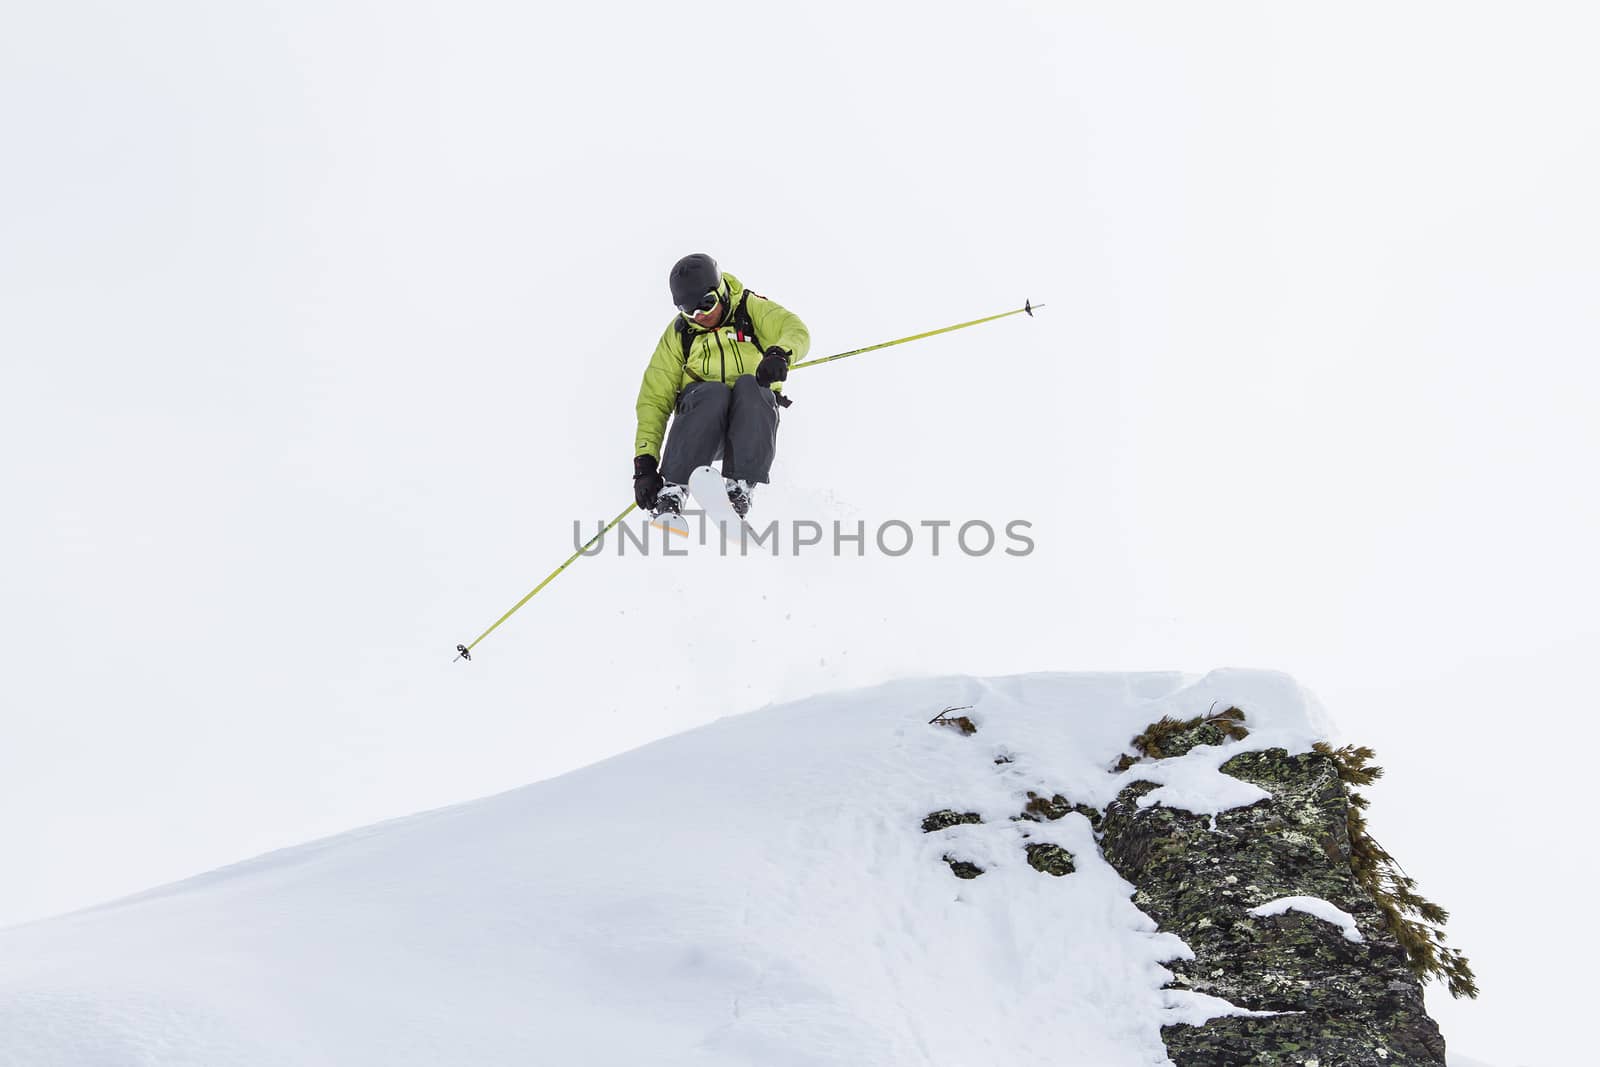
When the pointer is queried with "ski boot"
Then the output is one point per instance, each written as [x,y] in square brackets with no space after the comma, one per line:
[667,512]
[741,494]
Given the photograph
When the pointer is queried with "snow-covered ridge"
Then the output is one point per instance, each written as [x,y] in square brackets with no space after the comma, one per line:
[759,890]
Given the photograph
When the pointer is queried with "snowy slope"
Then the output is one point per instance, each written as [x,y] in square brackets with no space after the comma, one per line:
[757,891]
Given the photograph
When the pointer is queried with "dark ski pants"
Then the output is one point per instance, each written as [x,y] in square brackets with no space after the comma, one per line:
[712,421]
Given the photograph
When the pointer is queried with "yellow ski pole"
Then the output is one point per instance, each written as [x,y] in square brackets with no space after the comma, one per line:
[1027,306]
[465,651]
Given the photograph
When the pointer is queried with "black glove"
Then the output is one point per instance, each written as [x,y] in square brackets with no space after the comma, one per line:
[774,367]
[646,482]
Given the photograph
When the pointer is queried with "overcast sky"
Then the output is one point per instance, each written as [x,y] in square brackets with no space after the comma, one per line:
[323,322]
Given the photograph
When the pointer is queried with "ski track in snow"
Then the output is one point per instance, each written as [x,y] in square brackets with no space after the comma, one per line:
[758,890]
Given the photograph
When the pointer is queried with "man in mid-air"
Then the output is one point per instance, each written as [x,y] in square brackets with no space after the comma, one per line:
[718,369]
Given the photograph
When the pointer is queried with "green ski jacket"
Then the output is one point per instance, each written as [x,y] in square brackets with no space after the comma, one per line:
[719,355]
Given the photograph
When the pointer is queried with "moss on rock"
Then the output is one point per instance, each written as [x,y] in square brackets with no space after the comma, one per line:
[1416,922]
[1169,737]
[962,723]
[1041,809]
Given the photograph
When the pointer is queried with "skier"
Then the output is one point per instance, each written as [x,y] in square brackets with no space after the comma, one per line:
[721,381]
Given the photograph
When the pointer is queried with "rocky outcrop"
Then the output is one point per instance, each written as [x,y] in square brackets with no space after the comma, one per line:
[1341,1002]
[1294,914]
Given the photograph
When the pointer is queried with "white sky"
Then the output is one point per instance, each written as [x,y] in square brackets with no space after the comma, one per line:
[322,322]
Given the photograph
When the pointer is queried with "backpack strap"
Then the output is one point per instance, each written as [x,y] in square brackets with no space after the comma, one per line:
[747,326]
[688,343]
[742,321]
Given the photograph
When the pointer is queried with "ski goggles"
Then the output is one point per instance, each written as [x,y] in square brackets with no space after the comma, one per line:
[707,303]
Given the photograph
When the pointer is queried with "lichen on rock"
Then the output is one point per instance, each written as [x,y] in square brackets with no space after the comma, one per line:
[1198,876]
[1050,859]
[946,818]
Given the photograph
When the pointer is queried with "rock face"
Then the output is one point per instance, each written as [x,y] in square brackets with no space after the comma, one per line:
[1344,1003]
[943,820]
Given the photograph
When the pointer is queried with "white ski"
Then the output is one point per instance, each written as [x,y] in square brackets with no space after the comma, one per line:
[673,524]
[710,491]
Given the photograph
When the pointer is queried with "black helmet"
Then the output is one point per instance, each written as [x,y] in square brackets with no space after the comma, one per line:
[693,277]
